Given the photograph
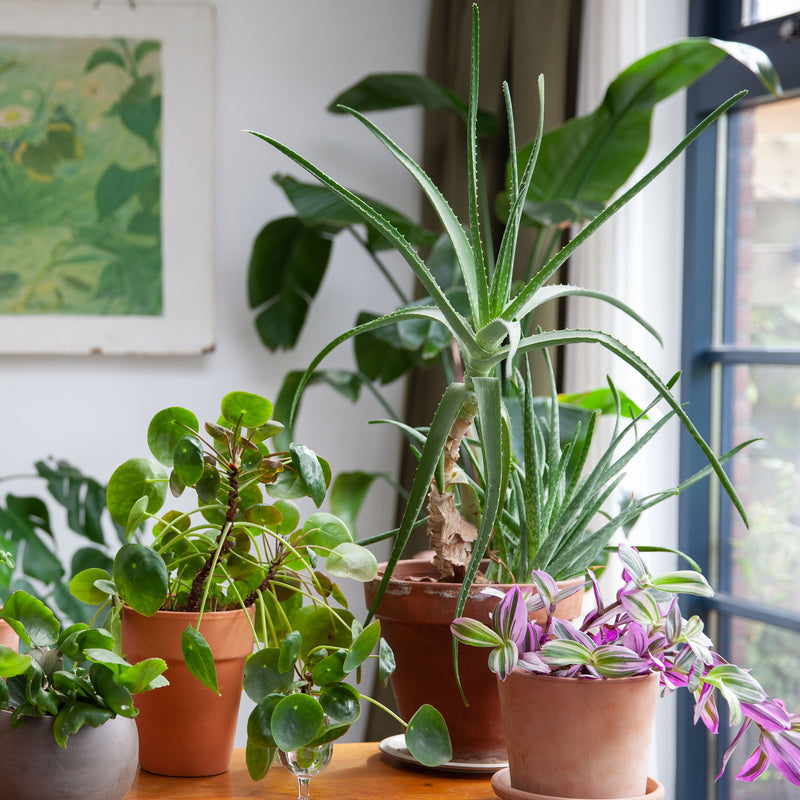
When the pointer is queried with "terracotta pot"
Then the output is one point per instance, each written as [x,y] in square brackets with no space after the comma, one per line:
[7,636]
[97,764]
[593,741]
[185,729]
[415,620]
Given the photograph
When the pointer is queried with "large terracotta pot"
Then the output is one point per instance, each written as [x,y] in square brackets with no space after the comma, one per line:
[97,764]
[578,737]
[415,620]
[186,729]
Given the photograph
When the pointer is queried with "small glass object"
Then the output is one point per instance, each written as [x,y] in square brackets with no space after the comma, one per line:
[306,762]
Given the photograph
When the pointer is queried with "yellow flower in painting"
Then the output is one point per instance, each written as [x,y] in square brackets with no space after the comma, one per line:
[92,89]
[14,116]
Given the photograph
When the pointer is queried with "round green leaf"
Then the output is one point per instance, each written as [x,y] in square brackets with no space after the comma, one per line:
[259,731]
[82,586]
[263,676]
[207,487]
[263,514]
[308,467]
[140,575]
[250,410]
[137,477]
[324,532]
[296,721]
[188,459]
[350,560]
[319,627]
[330,669]
[341,702]
[166,429]
[427,738]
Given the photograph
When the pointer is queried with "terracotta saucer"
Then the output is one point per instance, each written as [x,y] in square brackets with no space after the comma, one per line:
[501,783]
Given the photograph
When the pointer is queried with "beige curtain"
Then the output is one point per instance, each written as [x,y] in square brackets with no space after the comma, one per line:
[519,39]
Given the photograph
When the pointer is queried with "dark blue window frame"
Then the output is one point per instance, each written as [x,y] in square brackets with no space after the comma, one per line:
[697,757]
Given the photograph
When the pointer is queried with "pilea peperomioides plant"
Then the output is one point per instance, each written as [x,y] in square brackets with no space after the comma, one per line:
[305,695]
[74,675]
[234,548]
[641,631]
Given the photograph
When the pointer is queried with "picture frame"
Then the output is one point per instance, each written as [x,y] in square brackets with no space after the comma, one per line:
[106,177]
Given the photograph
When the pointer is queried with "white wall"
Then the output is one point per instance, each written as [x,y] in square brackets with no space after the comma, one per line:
[278,64]
[638,256]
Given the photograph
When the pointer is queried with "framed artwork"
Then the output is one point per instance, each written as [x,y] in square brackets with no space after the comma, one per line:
[106,170]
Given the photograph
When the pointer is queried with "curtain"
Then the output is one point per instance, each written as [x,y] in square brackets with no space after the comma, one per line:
[519,39]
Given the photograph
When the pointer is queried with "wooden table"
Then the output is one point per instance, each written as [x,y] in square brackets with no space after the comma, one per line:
[357,772]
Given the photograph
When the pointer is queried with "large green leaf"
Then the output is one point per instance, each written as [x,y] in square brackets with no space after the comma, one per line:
[287,265]
[390,90]
[322,209]
[263,675]
[587,159]
[136,478]
[247,409]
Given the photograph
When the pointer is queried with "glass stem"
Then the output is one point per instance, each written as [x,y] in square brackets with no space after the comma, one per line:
[303,785]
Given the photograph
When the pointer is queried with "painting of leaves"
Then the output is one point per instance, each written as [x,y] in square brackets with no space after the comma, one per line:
[80,176]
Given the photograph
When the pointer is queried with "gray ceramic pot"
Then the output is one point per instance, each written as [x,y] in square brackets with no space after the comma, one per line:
[97,764]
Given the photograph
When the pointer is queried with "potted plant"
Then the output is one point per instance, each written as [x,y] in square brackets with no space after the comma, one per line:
[217,576]
[628,648]
[490,324]
[66,708]
[307,696]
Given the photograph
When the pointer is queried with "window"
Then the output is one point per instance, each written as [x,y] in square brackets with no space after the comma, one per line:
[741,362]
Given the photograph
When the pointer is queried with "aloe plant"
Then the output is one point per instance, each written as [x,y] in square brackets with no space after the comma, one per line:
[494,331]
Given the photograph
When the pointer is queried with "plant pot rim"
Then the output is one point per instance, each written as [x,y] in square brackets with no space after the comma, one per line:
[501,784]
[583,679]
[423,567]
[169,613]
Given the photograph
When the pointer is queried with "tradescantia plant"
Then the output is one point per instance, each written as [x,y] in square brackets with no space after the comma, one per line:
[641,631]
[494,329]
[74,675]
[305,694]
[233,549]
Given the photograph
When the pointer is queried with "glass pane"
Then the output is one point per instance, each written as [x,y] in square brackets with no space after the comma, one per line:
[774,654]
[765,560]
[765,308]
[754,11]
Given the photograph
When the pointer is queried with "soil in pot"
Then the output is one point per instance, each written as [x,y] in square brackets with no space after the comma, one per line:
[185,729]
[415,617]
[578,737]
[97,764]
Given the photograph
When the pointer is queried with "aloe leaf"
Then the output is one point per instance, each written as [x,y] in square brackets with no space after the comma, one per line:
[455,321]
[503,275]
[513,310]
[497,458]
[554,292]
[557,338]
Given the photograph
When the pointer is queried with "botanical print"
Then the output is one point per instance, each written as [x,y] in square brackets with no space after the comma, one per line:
[80,176]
